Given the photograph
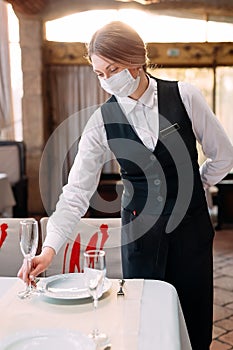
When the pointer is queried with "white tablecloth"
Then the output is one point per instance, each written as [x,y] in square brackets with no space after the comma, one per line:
[7,200]
[149,316]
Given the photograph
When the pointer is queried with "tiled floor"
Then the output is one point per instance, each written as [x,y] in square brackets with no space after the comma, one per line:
[223,290]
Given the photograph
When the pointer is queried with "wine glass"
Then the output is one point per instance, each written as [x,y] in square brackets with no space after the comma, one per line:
[94,275]
[28,237]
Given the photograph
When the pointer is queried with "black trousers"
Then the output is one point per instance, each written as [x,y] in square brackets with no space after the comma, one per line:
[183,258]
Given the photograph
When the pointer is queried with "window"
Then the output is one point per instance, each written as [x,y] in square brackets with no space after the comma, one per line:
[224,93]
[153,28]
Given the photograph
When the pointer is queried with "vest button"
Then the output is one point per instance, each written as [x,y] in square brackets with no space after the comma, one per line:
[157,182]
[152,157]
[159,198]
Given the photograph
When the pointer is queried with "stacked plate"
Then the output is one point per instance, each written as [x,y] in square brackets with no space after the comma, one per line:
[68,286]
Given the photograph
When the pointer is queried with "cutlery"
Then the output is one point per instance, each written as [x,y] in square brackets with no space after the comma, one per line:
[121,284]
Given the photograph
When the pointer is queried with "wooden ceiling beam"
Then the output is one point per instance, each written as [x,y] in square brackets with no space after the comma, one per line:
[161,54]
[52,9]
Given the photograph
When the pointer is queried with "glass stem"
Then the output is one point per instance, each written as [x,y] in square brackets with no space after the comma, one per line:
[95,331]
[29,267]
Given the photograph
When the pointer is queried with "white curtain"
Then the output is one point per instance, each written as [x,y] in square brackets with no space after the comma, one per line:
[73,93]
[6,110]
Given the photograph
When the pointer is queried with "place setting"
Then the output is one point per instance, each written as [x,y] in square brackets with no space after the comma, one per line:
[62,309]
[87,310]
[77,288]
[87,287]
[68,287]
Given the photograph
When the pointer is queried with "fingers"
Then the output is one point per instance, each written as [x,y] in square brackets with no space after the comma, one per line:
[20,273]
[34,281]
[37,265]
[36,271]
[24,271]
[29,270]
[42,261]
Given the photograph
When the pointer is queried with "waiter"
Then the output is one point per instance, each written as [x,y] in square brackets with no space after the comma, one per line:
[151,126]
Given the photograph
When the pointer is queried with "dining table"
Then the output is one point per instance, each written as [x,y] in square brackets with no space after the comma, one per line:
[7,199]
[147,316]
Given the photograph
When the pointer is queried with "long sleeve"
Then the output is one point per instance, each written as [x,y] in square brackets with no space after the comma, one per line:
[215,144]
[82,183]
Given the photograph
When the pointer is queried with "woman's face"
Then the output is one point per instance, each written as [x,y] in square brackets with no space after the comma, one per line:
[105,68]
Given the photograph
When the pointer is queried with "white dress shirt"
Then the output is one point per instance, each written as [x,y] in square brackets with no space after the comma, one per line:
[144,117]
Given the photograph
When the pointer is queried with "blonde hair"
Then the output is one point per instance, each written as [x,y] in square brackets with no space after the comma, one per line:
[119,42]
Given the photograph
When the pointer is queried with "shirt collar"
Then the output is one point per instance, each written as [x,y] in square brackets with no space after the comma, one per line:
[147,99]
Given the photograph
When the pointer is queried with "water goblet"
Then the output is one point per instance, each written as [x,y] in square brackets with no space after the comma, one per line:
[94,275]
[28,237]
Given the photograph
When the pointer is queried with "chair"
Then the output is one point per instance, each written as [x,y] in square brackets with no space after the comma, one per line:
[7,201]
[11,257]
[89,234]
[13,163]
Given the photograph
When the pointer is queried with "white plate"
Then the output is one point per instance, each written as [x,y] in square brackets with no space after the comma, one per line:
[68,286]
[48,340]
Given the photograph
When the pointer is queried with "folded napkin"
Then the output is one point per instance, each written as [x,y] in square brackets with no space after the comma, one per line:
[119,317]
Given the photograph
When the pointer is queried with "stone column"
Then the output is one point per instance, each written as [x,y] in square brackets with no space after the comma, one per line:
[31,41]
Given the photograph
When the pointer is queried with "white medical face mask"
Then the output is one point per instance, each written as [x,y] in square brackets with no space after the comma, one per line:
[121,84]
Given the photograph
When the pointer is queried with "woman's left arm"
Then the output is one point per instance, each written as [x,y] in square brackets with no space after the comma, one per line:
[215,143]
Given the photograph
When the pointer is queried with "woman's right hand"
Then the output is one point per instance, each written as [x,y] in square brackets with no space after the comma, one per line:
[39,264]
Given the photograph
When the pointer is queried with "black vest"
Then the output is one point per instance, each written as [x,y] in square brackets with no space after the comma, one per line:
[168,178]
